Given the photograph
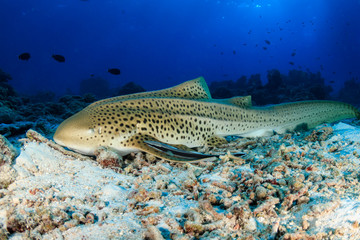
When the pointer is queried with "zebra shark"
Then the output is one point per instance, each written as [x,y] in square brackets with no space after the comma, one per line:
[168,123]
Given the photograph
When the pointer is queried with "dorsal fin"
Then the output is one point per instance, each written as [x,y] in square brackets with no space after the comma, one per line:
[243,101]
[192,89]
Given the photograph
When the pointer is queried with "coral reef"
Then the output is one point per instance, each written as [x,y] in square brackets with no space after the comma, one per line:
[350,92]
[7,151]
[7,115]
[6,91]
[7,154]
[129,88]
[296,86]
[21,114]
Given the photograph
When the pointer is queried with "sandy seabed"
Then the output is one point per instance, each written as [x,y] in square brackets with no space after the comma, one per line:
[291,186]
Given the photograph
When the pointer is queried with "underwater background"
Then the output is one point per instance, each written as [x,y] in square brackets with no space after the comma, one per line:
[158,44]
[277,51]
[59,56]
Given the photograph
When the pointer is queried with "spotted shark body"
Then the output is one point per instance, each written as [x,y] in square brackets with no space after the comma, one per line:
[168,123]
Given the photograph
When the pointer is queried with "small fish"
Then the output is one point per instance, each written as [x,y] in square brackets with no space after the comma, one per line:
[234,52]
[24,56]
[291,63]
[332,81]
[250,31]
[293,54]
[334,73]
[267,42]
[244,44]
[58,57]
[92,75]
[221,53]
[114,71]
[265,48]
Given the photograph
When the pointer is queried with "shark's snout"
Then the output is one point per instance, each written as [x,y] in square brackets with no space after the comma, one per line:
[76,132]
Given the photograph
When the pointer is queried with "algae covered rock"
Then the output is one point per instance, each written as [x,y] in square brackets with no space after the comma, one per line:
[7,154]
[7,115]
[7,151]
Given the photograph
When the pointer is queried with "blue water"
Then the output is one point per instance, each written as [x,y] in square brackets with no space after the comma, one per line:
[158,43]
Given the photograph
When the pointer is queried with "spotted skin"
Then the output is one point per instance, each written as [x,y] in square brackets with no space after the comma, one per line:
[124,124]
[193,89]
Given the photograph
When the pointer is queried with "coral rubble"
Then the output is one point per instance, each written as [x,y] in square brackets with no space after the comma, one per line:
[290,186]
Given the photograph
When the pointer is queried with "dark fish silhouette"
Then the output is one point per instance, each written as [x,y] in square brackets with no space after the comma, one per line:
[58,57]
[24,56]
[265,48]
[268,42]
[291,63]
[293,54]
[234,52]
[114,71]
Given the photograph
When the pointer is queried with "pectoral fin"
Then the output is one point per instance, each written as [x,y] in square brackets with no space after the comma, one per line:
[166,151]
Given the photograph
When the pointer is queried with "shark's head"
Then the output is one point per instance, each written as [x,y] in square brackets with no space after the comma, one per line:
[114,122]
[77,133]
